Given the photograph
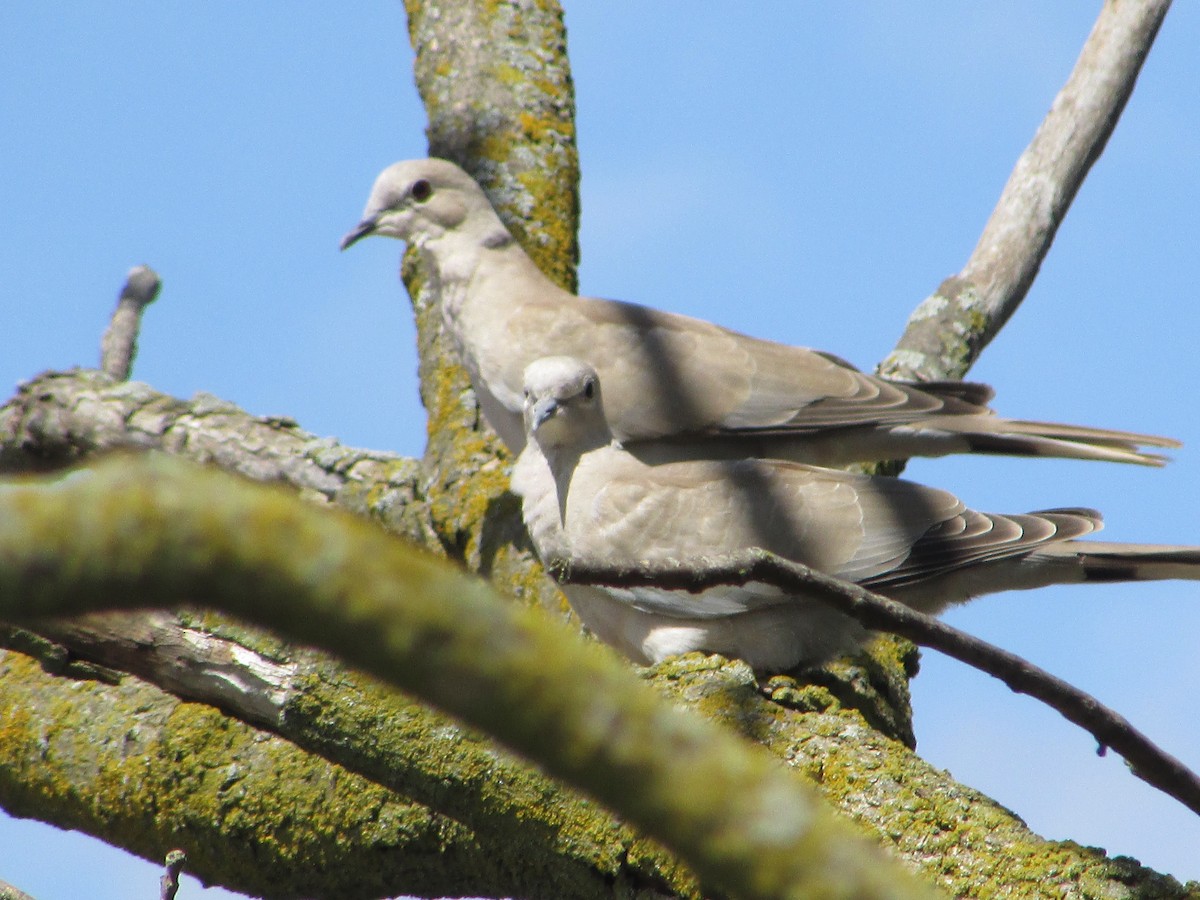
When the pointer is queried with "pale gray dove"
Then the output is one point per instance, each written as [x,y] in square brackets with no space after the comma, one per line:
[695,389]
[586,498]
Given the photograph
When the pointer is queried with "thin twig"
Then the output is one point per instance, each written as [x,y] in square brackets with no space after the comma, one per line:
[118,347]
[168,884]
[1147,761]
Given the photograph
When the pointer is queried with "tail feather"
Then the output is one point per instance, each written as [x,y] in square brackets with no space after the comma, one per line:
[1017,437]
[1028,445]
[1101,561]
[1104,436]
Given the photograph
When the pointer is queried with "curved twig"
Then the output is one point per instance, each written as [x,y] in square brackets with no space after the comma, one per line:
[1147,761]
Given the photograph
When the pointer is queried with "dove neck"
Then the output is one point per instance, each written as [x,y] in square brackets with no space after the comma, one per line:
[566,461]
[486,256]
[457,254]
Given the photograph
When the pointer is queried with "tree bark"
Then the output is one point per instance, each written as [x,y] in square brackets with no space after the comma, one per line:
[948,330]
[497,86]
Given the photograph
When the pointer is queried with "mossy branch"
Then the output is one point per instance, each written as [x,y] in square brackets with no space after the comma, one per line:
[568,847]
[58,418]
[145,532]
[147,772]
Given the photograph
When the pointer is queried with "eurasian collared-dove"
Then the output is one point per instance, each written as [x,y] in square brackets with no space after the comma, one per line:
[586,498]
[685,385]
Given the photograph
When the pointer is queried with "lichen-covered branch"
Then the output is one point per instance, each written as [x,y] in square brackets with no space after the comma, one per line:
[58,418]
[873,778]
[145,532]
[150,772]
[497,88]
[949,329]
[567,846]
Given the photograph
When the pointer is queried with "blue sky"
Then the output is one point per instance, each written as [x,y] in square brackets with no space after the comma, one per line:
[806,173]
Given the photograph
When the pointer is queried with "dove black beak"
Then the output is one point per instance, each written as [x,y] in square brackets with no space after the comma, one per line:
[544,411]
[363,229]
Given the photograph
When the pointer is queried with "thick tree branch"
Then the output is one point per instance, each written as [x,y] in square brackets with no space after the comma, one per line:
[146,532]
[948,331]
[61,417]
[568,847]
[1111,730]
[872,778]
[149,772]
[496,85]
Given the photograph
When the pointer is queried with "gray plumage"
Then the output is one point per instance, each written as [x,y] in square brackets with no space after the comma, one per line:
[689,387]
[586,497]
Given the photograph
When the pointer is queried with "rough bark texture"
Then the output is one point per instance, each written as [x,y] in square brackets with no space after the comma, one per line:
[565,846]
[148,772]
[497,88]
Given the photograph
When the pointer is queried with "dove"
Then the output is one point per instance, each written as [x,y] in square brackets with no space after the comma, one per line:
[686,386]
[586,498]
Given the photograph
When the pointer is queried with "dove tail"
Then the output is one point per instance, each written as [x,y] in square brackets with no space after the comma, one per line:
[1015,437]
[1133,562]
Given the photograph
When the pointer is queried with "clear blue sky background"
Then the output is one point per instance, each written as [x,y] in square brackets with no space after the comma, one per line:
[804,172]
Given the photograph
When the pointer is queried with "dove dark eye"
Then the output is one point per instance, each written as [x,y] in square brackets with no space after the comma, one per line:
[589,390]
[421,190]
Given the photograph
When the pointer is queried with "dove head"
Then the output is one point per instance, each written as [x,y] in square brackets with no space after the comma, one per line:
[563,410]
[423,199]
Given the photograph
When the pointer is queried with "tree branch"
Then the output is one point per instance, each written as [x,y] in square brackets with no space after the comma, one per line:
[568,847]
[147,771]
[948,331]
[496,84]
[168,883]
[144,532]
[59,418]
[118,347]
[1147,761]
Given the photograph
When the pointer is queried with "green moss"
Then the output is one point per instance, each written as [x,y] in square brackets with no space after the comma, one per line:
[570,846]
[952,831]
[252,812]
[508,74]
[960,344]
